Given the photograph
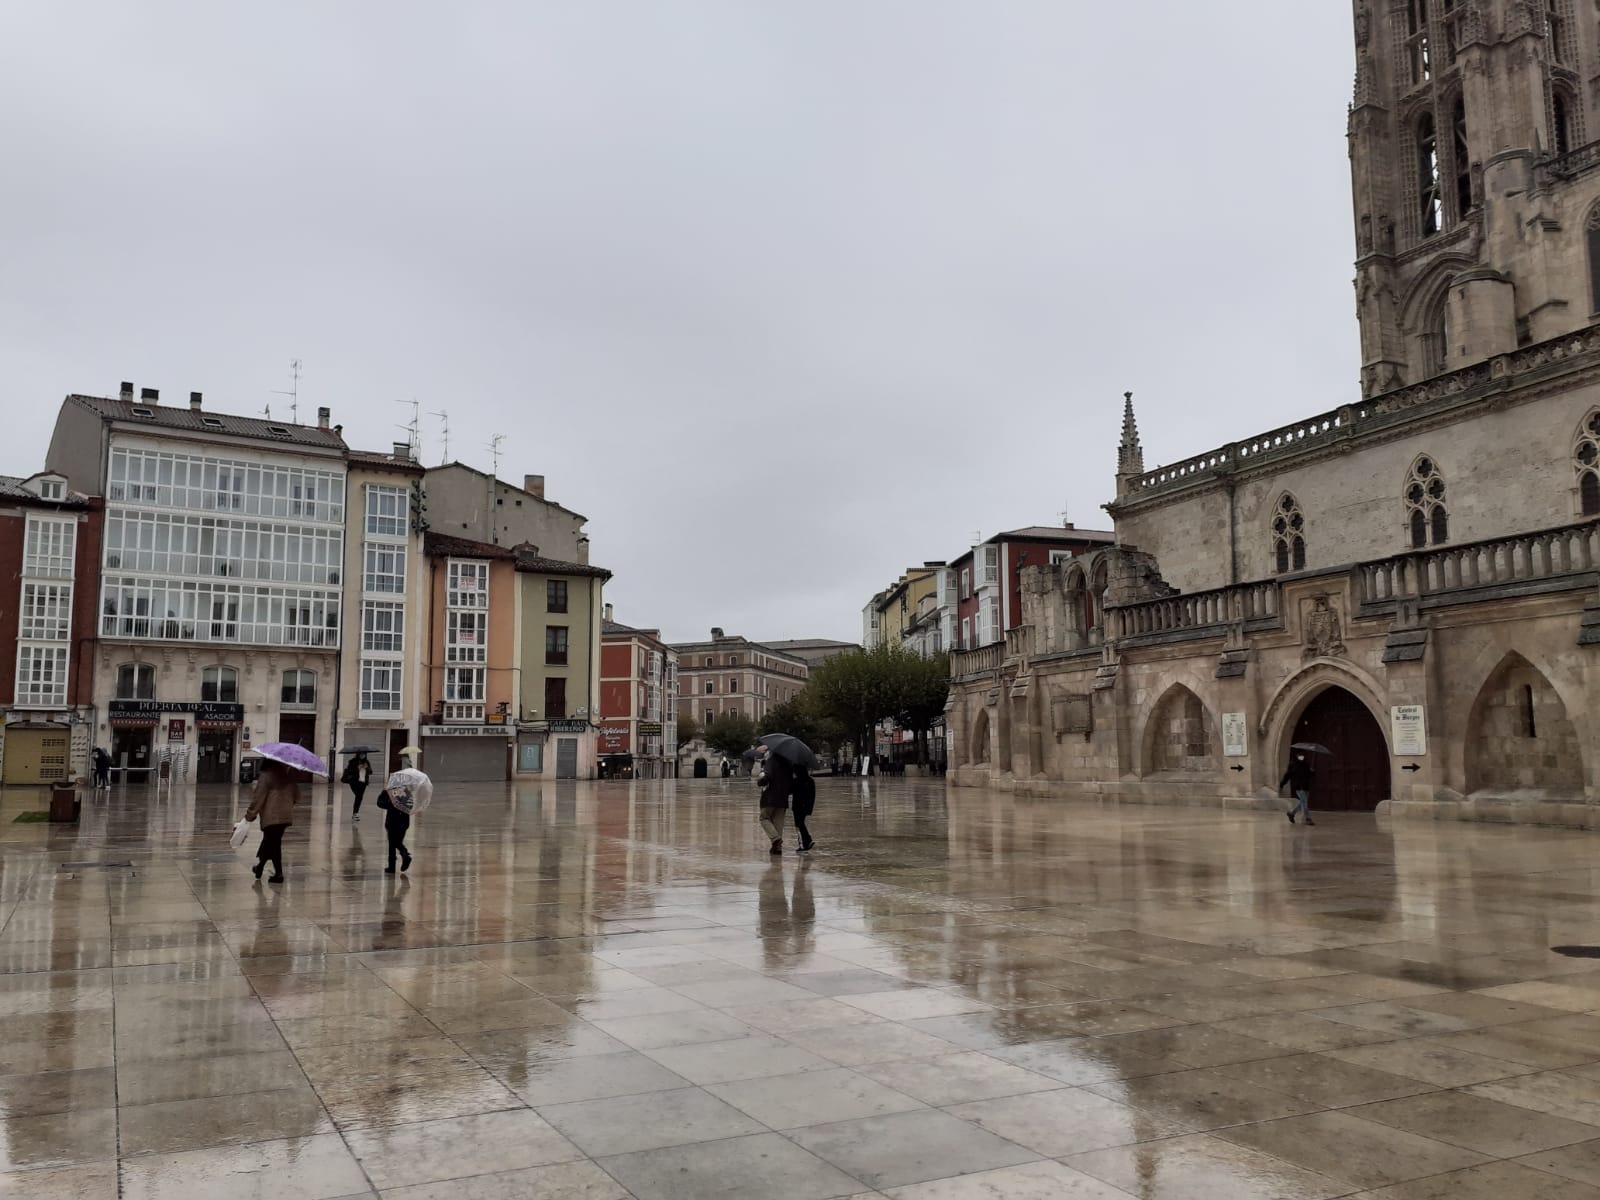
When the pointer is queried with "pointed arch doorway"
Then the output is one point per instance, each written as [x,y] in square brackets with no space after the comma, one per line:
[1355,778]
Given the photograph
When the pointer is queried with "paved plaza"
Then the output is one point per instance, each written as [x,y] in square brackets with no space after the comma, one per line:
[610,990]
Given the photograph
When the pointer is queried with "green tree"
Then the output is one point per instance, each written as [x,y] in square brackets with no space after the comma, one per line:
[731,734]
[924,689]
[799,718]
[688,730]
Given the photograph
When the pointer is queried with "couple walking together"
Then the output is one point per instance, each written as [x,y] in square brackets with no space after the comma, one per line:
[783,784]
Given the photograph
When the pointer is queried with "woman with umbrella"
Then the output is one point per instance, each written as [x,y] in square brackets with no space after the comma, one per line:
[275,795]
[357,774]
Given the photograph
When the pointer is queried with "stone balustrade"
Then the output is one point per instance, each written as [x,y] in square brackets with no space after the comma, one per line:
[1197,610]
[1351,421]
[975,662]
[1571,550]
[1021,642]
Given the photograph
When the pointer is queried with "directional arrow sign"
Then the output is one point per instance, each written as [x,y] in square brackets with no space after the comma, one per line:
[1411,767]
[1236,768]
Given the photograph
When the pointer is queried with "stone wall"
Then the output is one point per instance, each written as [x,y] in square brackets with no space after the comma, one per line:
[1520,738]
[1506,470]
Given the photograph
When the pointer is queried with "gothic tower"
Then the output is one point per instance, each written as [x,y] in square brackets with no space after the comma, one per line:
[1475,185]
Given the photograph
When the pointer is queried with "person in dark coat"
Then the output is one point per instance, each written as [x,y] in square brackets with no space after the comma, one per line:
[777,783]
[803,800]
[1300,776]
[357,774]
[102,767]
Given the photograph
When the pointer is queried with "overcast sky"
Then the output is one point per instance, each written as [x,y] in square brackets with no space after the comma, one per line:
[783,296]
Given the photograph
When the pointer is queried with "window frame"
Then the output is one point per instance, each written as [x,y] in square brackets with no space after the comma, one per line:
[556,596]
[139,673]
[219,681]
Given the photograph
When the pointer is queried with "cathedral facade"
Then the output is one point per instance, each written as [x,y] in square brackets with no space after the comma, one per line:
[1410,583]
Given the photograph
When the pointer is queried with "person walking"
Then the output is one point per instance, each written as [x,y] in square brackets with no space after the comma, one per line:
[407,791]
[102,768]
[272,802]
[776,781]
[1300,776]
[804,799]
[357,774]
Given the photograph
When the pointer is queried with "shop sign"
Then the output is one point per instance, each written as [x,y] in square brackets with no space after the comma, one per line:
[463,731]
[614,738]
[176,729]
[569,727]
[650,728]
[203,710]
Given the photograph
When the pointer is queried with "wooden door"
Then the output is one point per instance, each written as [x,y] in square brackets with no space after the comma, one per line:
[1355,778]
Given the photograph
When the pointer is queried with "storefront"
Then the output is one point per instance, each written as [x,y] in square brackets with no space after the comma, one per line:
[139,728]
[566,749]
[466,753]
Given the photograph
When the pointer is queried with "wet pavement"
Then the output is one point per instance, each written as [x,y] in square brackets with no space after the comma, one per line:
[610,990]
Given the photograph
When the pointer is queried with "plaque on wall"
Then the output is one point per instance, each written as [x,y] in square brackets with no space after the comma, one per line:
[1408,730]
[1235,736]
[1073,714]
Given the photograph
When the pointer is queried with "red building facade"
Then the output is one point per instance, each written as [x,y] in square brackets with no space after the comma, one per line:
[988,578]
[49,568]
[638,702]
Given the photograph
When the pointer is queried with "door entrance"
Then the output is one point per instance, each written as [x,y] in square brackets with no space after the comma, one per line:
[298,729]
[135,744]
[1355,778]
[216,756]
[566,758]
[398,742]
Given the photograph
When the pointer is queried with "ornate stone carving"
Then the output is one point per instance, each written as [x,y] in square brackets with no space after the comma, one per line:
[1363,26]
[1323,633]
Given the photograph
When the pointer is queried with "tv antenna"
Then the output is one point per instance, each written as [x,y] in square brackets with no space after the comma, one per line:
[413,427]
[1065,514]
[444,422]
[494,452]
[293,393]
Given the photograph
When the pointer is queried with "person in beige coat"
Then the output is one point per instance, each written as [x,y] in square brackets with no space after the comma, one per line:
[276,793]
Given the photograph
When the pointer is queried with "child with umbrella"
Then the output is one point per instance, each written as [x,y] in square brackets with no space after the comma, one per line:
[407,791]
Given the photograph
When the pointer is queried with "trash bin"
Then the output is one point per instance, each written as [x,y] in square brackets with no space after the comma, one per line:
[64,803]
[249,769]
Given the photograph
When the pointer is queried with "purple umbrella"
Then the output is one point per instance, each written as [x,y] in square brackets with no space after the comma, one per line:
[293,756]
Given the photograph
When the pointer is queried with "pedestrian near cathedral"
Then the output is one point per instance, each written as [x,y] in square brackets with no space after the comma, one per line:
[357,774]
[803,800]
[407,791]
[776,781]
[1300,777]
[272,803]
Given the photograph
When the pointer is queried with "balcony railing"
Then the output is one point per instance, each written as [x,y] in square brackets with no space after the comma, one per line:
[1551,554]
[1573,163]
[971,662]
[1198,610]
[1021,642]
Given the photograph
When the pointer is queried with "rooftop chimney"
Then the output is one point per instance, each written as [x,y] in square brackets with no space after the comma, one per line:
[151,394]
[194,401]
[716,633]
[533,485]
[402,451]
[324,415]
[127,391]
[609,610]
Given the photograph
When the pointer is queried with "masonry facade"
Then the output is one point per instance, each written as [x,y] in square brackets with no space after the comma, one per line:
[1411,580]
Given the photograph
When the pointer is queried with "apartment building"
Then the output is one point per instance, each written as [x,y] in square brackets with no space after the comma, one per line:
[638,702]
[220,590]
[49,558]
[731,675]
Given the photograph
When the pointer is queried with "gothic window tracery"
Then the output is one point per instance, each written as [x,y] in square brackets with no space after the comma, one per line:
[1417,50]
[1461,157]
[1288,536]
[1427,519]
[1560,124]
[1429,208]
[1555,30]
[1586,461]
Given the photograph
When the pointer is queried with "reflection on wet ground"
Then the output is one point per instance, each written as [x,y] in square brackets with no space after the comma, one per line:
[611,990]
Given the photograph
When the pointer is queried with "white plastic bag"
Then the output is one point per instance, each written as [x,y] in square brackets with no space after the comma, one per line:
[240,832]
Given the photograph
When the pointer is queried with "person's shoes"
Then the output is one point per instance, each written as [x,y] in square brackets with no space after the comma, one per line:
[388,870]
[354,817]
[405,865]
[1309,821]
[1290,815]
[257,869]
[777,847]
[275,879]
[807,848]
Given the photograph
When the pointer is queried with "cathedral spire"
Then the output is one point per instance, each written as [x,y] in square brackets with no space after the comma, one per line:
[1130,454]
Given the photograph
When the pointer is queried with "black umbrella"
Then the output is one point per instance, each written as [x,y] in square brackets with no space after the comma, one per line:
[359,750]
[1312,747]
[789,748]
[751,754]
